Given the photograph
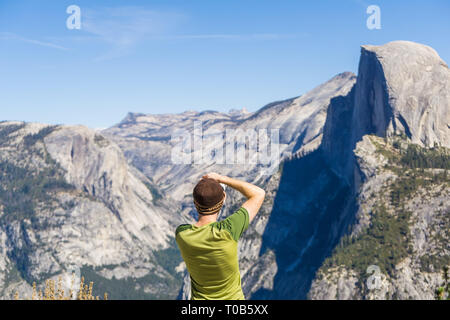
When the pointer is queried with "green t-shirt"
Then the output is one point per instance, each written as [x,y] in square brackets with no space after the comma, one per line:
[211,257]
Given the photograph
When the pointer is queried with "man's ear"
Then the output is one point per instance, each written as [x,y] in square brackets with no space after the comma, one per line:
[225,196]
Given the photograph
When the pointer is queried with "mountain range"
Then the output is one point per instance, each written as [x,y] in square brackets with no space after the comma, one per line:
[360,184]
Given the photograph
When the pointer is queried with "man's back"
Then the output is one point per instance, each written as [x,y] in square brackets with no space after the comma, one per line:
[210,253]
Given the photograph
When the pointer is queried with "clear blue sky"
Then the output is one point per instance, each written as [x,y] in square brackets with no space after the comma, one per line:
[159,56]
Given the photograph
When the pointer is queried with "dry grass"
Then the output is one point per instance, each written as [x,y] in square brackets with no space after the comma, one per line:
[55,291]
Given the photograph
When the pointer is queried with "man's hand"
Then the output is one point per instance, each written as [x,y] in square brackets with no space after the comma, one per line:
[213,175]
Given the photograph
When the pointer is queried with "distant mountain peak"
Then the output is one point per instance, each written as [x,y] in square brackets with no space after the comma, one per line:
[238,112]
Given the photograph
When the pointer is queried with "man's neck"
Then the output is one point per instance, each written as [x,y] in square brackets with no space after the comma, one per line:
[206,219]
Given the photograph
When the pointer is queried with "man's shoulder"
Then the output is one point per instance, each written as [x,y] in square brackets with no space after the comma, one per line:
[239,216]
[182,227]
[236,223]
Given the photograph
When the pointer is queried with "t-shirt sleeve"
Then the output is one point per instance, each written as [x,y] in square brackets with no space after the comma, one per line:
[182,228]
[237,223]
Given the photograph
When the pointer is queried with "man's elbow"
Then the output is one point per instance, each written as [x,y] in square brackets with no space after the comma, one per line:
[262,193]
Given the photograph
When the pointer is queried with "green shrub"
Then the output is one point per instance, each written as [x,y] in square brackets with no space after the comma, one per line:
[443,292]
[418,157]
[384,243]
[31,139]
[6,130]
[22,189]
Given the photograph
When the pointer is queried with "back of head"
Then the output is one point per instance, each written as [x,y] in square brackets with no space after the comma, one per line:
[208,196]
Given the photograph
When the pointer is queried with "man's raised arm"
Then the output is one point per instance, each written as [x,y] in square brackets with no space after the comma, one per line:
[254,194]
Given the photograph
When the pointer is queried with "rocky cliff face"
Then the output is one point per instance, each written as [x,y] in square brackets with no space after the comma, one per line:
[402,88]
[401,94]
[70,200]
[401,230]
[405,88]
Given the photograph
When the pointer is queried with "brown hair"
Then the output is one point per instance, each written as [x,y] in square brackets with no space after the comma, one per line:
[208,196]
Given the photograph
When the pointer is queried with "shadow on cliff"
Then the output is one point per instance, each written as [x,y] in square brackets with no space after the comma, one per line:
[312,209]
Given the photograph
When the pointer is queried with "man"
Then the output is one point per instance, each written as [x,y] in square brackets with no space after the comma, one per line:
[209,247]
